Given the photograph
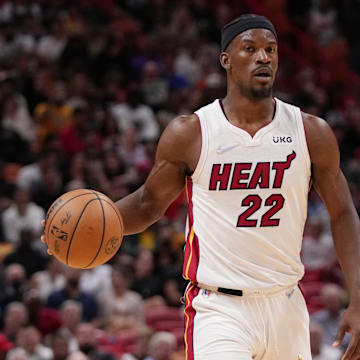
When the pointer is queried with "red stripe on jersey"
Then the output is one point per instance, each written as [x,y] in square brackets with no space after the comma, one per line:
[191,256]
[189,192]
[190,313]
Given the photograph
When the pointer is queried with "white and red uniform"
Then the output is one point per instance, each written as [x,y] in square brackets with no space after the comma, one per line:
[246,215]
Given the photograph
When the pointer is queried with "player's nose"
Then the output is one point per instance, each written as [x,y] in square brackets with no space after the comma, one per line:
[262,57]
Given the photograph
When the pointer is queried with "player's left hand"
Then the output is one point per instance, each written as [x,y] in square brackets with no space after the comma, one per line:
[43,237]
[350,323]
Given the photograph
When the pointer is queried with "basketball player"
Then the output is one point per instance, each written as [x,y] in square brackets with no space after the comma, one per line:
[247,161]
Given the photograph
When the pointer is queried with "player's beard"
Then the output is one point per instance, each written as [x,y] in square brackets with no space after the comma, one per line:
[256,94]
[259,94]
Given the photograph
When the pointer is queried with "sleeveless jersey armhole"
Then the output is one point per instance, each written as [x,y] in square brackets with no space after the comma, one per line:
[204,146]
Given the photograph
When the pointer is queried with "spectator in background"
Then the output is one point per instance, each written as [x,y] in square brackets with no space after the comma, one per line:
[135,113]
[182,23]
[60,346]
[46,320]
[97,281]
[8,174]
[13,147]
[161,346]
[87,342]
[132,151]
[27,254]
[323,21]
[51,188]
[319,350]
[15,317]
[53,43]
[39,87]
[113,165]
[72,291]
[51,116]
[10,49]
[14,285]
[121,300]
[71,314]
[111,134]
[31,176]
[73,135]
[155,89]
[333,298]
[50,279]
[145,281]
[17,354]
[171,292]
[28,36]
[29,339]
[22,215]
[79,91]
[76,177]
[16,117]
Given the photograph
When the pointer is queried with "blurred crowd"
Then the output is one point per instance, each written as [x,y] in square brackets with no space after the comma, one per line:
[86,88]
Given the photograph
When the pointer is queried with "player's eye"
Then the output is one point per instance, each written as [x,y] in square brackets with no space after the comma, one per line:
[249,48]
[270,50]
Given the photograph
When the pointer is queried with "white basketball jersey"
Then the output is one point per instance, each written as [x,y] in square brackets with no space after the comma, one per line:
[248,202]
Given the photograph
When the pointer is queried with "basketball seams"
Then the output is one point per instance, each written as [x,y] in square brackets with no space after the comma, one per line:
[57,210]
[103,232]
[67,254]
[117,212]
[75,227]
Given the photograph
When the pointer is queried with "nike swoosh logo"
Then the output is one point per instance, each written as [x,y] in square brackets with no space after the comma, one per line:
[222,149]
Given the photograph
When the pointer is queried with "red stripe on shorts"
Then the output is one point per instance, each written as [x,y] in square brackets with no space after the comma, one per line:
[190,313]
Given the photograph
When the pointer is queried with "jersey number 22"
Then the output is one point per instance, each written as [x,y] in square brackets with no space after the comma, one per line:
[276,201]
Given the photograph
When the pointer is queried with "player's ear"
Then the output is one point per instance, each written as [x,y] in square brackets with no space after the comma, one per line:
[225,60]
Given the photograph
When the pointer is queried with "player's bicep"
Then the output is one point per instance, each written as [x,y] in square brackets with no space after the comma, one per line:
[174,160]
[333,190]
[328,179]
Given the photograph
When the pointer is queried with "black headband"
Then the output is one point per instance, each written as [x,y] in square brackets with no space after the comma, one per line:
[243,23]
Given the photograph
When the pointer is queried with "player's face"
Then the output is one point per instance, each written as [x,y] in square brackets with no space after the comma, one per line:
[251,61]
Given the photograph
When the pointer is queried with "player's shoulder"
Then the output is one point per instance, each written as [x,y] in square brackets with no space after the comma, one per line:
[183,128]
[181,140]
[314,123]
[190,124]
[183,122]
[316,128]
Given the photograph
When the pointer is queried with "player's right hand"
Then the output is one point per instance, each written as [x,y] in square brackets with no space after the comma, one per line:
[43,237]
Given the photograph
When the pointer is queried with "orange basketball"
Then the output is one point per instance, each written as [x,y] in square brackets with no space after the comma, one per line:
[83,228]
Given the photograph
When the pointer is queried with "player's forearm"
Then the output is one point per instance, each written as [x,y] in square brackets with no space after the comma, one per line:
[346,234]
[138,212]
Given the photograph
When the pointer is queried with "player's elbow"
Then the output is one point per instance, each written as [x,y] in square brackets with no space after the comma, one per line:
[345,217]
[152,213]
[152,210]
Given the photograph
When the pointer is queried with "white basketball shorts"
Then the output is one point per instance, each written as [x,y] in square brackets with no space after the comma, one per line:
[253,326]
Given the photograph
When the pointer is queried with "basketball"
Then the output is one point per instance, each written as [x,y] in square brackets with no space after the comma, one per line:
[83,228]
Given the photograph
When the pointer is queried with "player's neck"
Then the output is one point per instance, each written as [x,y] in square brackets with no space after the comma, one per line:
[241,110]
